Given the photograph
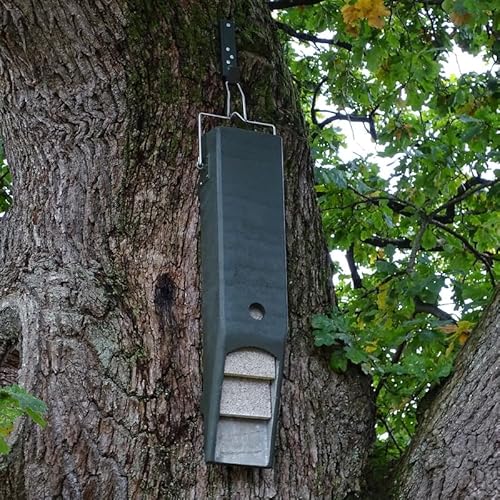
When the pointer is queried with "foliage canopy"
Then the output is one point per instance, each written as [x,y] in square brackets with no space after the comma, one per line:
[417,219]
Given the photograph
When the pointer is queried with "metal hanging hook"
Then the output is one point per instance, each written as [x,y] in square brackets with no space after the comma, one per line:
[228,100]
[231,76]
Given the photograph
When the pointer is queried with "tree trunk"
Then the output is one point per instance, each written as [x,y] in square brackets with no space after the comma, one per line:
[99,276]
[454,454]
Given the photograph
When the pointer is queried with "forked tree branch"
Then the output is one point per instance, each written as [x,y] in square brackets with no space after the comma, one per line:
[468,188]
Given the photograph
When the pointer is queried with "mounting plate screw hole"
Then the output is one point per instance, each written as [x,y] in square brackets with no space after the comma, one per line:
[256,311]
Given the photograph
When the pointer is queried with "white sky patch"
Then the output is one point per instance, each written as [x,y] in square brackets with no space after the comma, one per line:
[460,62]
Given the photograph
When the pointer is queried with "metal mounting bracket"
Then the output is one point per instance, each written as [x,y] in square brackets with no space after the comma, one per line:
[228,54]
[231,76]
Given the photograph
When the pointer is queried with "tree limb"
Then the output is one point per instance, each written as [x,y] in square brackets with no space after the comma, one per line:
[287,4]
[424,307]
[401,243]
[311,38]
[356,278]
[348,117]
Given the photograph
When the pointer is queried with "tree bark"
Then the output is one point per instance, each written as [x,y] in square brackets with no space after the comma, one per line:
[99,262]
[454,454]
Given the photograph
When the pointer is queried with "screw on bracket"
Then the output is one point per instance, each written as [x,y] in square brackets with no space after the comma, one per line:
[229,60]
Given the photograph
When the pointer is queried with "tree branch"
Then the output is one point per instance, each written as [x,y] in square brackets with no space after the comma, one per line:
[340,116]
[483,258]
[401,243]
[356,278]
[395,204]
[284,4]
[424,307]
[315,96]
[311,38]
[468,188]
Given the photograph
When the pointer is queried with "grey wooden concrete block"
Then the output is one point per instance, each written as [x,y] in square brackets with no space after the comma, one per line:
[245,398]
[251,363]
[243,441]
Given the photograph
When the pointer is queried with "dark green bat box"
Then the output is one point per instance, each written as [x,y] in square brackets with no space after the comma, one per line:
[244,294]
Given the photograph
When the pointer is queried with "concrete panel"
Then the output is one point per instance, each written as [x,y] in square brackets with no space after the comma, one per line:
[251,363]
[245,398]
[241,441]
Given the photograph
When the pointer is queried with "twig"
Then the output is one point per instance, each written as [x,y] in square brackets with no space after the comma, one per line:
[395,358]
[391,435]
[315,96]
[401,243]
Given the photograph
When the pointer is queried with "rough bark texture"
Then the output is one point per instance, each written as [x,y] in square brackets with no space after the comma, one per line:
[98,107]
[455,453]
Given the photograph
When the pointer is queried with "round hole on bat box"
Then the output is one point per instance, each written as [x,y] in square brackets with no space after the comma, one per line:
[256,311]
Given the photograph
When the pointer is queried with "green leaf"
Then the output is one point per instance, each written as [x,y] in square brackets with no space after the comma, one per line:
[385,267]
[429,240]
[356,355]
[36,417]
[338,361]
[25,400]
[435,133]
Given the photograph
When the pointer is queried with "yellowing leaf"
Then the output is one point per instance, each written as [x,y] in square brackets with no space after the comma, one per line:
[5,430]
[465,326]
[462,338]
[449,329]
[350,13]
[371,347]
[371,10]
[365,7]
[382,297]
